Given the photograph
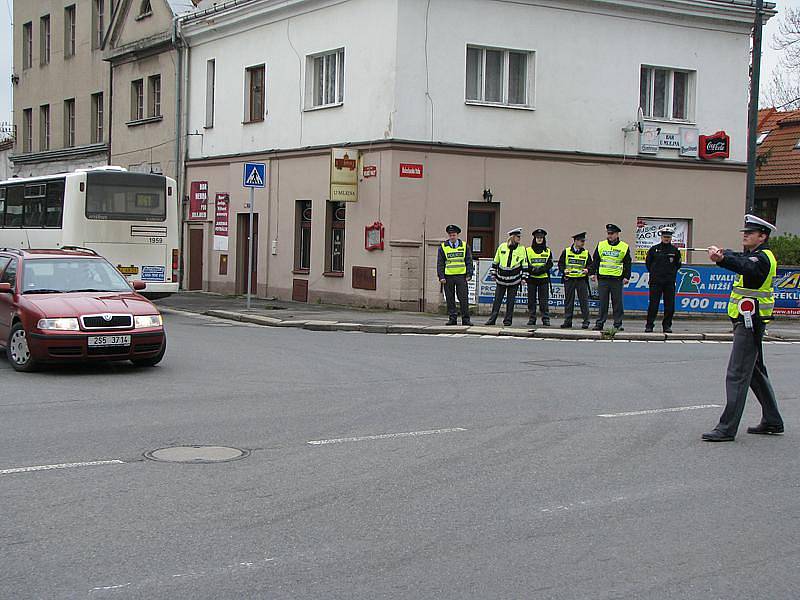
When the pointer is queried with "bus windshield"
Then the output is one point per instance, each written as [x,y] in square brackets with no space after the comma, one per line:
[54,276]
[125,197]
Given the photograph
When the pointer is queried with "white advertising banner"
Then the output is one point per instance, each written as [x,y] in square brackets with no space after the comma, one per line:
[647,235]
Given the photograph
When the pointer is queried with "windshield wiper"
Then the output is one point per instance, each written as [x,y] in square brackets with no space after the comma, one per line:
[43,291]
[90,290]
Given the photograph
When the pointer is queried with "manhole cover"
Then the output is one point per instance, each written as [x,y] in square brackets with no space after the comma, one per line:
[196,454]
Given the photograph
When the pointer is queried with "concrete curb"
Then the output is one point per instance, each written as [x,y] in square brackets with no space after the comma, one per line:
[479,330]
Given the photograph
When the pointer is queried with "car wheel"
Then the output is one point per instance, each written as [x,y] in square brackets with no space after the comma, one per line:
[152,361]
[18,351]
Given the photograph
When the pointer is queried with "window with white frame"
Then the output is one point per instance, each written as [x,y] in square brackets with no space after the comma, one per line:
[761,137]
[499,76]
[325,79]
[666,93]
[137,100]
[154,96]
[211,75]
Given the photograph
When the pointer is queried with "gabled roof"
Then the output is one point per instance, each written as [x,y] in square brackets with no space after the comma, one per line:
[778,157]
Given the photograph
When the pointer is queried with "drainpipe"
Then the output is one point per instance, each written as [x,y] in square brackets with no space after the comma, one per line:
[176,43]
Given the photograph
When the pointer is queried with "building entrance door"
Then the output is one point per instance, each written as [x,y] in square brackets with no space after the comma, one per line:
[195,259]
[482,229]
[242,236]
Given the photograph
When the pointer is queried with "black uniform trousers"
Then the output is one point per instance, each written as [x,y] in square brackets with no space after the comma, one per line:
[610,287]
[456,285]
[657,290]
[539,288]
[510,293]
[746,370]
[573,285]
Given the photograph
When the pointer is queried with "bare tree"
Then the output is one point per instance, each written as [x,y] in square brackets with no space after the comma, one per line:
[783,89]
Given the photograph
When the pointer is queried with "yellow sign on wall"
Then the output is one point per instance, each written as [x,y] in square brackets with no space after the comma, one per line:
[344,175]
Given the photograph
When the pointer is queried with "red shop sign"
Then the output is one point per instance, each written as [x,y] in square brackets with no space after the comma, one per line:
[716,145]
[198,201]
[412,170]
[221,204]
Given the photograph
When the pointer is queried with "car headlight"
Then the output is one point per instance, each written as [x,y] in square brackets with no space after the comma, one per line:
[141,322]
[64,324]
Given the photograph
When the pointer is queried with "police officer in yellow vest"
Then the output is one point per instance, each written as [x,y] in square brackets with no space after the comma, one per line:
[509,266]
[612,263]
[750,308]
[454,268]
[576,265]
[540,261]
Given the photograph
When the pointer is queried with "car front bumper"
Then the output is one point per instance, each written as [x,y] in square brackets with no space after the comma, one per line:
[61,347]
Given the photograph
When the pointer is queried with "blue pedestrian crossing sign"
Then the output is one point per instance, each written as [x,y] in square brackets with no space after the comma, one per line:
[254,175]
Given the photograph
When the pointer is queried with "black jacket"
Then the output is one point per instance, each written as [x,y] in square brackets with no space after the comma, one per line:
[663,262]
[753,265]
[440,261]
[626,265]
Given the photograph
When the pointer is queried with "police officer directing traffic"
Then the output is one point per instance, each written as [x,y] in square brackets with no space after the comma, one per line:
[575,265]
[509,266]
[663,261]
[750,308]
[540,261]
[454,268]
[612,262]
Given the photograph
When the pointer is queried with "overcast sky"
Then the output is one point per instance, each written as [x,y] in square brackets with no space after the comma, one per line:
[767,65]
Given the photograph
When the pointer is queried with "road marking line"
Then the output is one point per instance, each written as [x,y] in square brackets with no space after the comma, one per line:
[384,436]
[659,410]
[110,587]
[61,466]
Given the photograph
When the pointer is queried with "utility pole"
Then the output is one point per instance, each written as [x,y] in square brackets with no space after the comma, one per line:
[752,121]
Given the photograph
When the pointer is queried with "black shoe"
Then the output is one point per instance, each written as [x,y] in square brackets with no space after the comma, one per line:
[490,322]
[546,322]
[648,330]
[452,322]
[531,322]
[597,328]
[585,326]
[620,328]
[667,329]
[765,429]
[466,322]
[717,436]
[566,325]
[506,323]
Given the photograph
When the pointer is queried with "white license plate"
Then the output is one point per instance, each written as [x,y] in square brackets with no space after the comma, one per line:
[110,340]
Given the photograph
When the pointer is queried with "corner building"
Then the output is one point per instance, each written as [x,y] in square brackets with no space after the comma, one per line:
[486,113]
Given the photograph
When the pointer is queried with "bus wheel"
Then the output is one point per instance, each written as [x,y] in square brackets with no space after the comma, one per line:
[18,352]
[153,360]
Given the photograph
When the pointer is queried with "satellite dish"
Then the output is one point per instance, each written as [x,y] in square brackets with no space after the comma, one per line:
[640,120]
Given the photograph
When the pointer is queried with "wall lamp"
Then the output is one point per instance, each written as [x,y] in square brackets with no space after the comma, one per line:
[487,195]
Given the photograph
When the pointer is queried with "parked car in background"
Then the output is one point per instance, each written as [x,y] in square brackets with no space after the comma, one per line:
[70,305]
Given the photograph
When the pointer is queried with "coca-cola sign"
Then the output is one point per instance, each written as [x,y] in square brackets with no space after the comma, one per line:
[716,145]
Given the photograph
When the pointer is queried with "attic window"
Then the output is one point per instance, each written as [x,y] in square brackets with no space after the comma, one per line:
[761,137]
[144,9]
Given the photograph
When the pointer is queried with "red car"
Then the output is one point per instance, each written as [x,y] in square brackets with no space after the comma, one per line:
[73,305]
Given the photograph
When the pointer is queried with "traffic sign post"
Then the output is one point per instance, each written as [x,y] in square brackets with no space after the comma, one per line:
[253,177]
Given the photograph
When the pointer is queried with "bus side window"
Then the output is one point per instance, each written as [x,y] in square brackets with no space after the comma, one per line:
[14,205]
[55,204]
[2,207]
[33,215]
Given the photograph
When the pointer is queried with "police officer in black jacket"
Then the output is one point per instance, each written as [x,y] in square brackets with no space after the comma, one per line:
[662,262]
[750,307]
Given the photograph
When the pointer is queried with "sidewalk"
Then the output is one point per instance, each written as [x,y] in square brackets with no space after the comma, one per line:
[321,317]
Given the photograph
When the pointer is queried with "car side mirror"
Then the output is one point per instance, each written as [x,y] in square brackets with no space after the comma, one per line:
[139,285]
[5,288]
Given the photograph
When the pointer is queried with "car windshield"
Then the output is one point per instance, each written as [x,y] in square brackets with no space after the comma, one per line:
[62,275]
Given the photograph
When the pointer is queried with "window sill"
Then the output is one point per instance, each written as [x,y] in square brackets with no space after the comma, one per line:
[137,122]
[497,105]
[323,106]
[669,121]
[254,121]
[333,274]
[301,271]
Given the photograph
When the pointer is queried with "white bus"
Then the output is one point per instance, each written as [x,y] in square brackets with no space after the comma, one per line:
[129,218]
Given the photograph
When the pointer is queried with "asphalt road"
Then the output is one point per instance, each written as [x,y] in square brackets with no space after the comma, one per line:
[515,488]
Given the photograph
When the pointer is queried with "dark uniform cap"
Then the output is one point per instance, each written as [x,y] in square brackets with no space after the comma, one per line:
[580,236]
[753,223]
[539,231]
[611,228]
[453,229]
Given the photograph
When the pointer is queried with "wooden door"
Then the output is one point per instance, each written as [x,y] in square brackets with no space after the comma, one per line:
[242,250]
[482,230]
[195,259]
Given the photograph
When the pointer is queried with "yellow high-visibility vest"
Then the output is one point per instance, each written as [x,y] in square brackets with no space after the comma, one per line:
[576,262]
[455,259]
[538,259]
[764,294]
[611,258]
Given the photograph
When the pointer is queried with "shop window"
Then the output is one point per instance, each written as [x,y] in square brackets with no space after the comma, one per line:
[302,252]
[334,238]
